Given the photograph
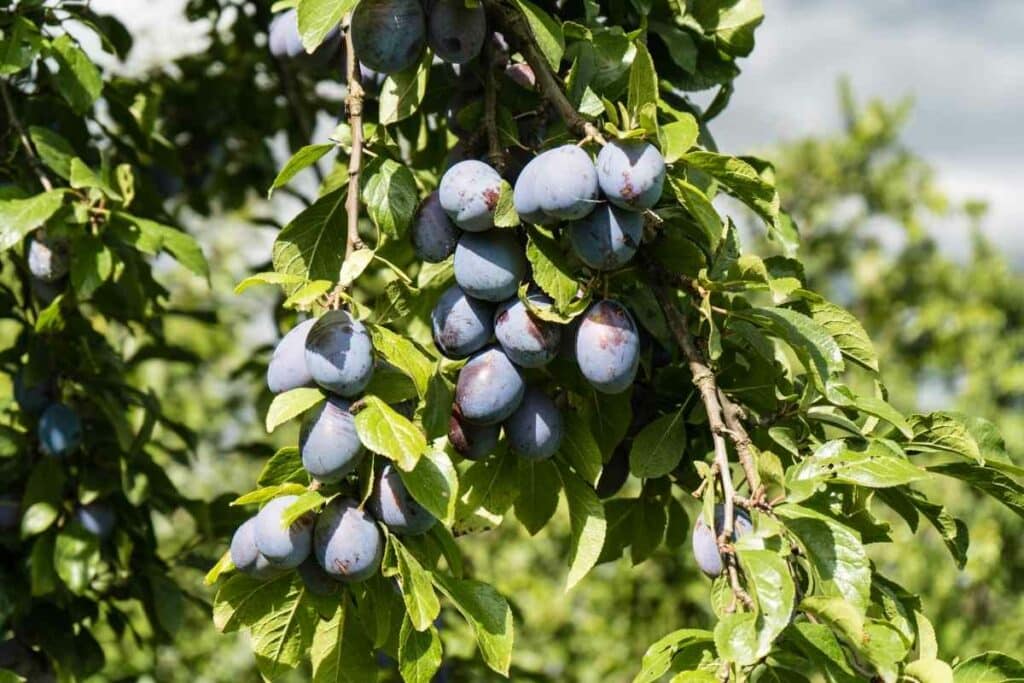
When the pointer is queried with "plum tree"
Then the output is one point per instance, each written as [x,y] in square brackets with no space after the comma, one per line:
[455,31]
[60,430]
[631,174]
[287,368]
[434,235]
[339,353]
[607,238]
[472,441]
[704,541]
[328,441]
[48,259]
[536,428]
[461,324]
[388,35]
[469,193]
[97,518]
[608,347]
[528,341]
[490,266]
[246,556]
[284,545]
[392,504]
[489,388]
[347,543]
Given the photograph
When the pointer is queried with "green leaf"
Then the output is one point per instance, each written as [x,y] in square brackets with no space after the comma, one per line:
[76,557]
[312,245]
[844,327]
[78,80]
[285,466]
[699,206]
[83,177]
[149,237]
[224,564]
[243,600]
[168,602]
[340,651]
[587,524]
[419,653]
[551,270]
[989,667]
[303,505]
[92,264]
[579,448]
[609,417]
[402,353]
[677,137]
[539,488]
[659,447]
[745,638]
[19,217]
[304,158]
[54,150]
[384,431]
[947,432]
[879,464]
[819,644]
[505,215]
[731,24]
[658,658]
[266,493]
[434,484]
[650,523]
[643,81]
[19,46]
[354,265]
[306,295]
[391,198]
[546,31]
[421,602]
[402,92]
[928,671]
[282,635]
[268,279]
[993,479]
[883,410]
[291,404]
[317,18]
[491,485]
[42,499]
[489,615]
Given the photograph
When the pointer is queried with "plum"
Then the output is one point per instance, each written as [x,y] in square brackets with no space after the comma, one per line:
[566,183]
[388,35]
[392,504]
[317,581]
[10,512]
[528,341]
[526,193]
[286,43]
[31,398]
[97,518]
[631,174]
[472,442]
[339,353]
[489,388]
[60,430]
[455,32]
[522,75]
[347,542]
[328,442]
[608,238]
[490,266]
[287,367]
[535,429]
[469,193]
[705,541]
[284,546]
[246,556]
[461,324]
[48,259]
[434,236]
[608,347]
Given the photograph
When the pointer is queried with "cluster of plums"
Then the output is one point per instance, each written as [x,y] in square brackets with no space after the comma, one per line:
[342,542]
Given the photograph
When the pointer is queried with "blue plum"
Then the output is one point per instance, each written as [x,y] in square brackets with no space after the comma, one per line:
[631,174]
[97,518]
[10,512]
[287,367]
[285,42]
[528,341]
[455,32]
[535,429]
[48,259]
[522,75]
[490,266]
[608,347]
[472,442]
[31,398]
[608,238]
[469,193]
[347,542]
[283,545]
[705,541]
[392,504]
[60,430]
[246,556]
[388,35]
[328,442]
[339,353]
[566,183]
[461,324]
[317,581]
[434,236]
[526,193]
[489,388]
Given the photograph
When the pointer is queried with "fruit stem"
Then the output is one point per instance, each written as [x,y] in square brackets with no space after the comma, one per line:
[354,106]
[33,159]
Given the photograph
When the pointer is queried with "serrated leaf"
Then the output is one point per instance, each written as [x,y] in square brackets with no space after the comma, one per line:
[302,159]
[224,564]
[700,207]
[944,431]
[304,504]
[421,602]
[306,295]
[587,524]
[340,651]
[384,431]
[317,18]
[312,245]
[403,353]
[282,636]
[291,404]
[551,270]
[658,658]
[546,31]
[268,279]
[419,653]
[989,667]
[354,266]
[266,493]
[434,484]
[991,479]
[844,327]
[19,217]
[677,137]
[878,464]
[402,92]
[55,151]
[489,615]
[149,237]
[643,81]
[78,80]
[391,198]
[285,466]
[659,447]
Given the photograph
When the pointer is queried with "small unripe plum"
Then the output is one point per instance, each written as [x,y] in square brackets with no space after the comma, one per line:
[317,581]
[10,512]
[567,183]
[631,173]
[526,193]
[490,266]
[328,442]
[31,398]
[246,556]
[489,388]
[456,32]
[392,504]
[285,546]
[388,35]
[434,235]
[608,347]
[48,259]
[522,75]
[469,193]
[608,238]
[472,442]
[285,42]
[347,542]
[535,429]
[339,354]
[528,341]
[60,430]
[96,518]
[461,323]
[705,541]
[287,368]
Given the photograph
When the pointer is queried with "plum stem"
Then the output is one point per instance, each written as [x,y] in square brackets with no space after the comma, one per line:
[354,106]
[33,158]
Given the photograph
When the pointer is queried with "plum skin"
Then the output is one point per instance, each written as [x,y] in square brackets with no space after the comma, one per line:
[246,556]
[704,541]
[283,546]
[489,387]
[328,442]
[608,347]
[490,266]
[392,504]
[455,32]
[346,542]
[631,174]
[287,368]
[434,235]
[608,238]
[388,35]
[339,354]
[48,259]
[96,518]
[10,512]
[525,194]
[528,341]
[472,442]
[60,430]
[575,193]
[469,193]
[461,324]
[536,428]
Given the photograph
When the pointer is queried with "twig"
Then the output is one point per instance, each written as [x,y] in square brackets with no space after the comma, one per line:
[33,158]
[354,105]
[733,415]
[495,152]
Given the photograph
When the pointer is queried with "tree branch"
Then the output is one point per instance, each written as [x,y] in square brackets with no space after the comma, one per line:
[33,158]
[495,151]
[354,105]
[733,415]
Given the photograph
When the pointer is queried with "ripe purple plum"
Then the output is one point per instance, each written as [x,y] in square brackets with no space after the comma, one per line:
[284,545]
[527,340]
[434,235]
[461,323]
[328,442]
[705,541]
[97,518]
[526,193]
[469,193]
[631,174]
[566,183]
[339,354]
[608,238]
[287,368]
[246,556]
[489,388]
[456,32]
[388,35]
[48,259]
[392,504]
[536,428]
[346,541]
[60,430]
[490,266]
[608,347]
[472,442]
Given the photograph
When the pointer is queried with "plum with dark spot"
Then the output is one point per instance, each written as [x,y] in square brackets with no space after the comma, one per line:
[284,41]
[608,347]
[469,193]
[10,512]
[60,430]
[388,35]
[489,388]
[608,238]
[287,368]
[317,581]
[631,173]
[246,556]
[346,541]
[392,504]
[455,32]
[461,323]
[472,442]
[705,541]
[285,545]
[535,429]
[526,193]
[328,442]
[566,183]
[97,518]
[434,235]
[490,266]
[527,340]
[339,353]
[48,259]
